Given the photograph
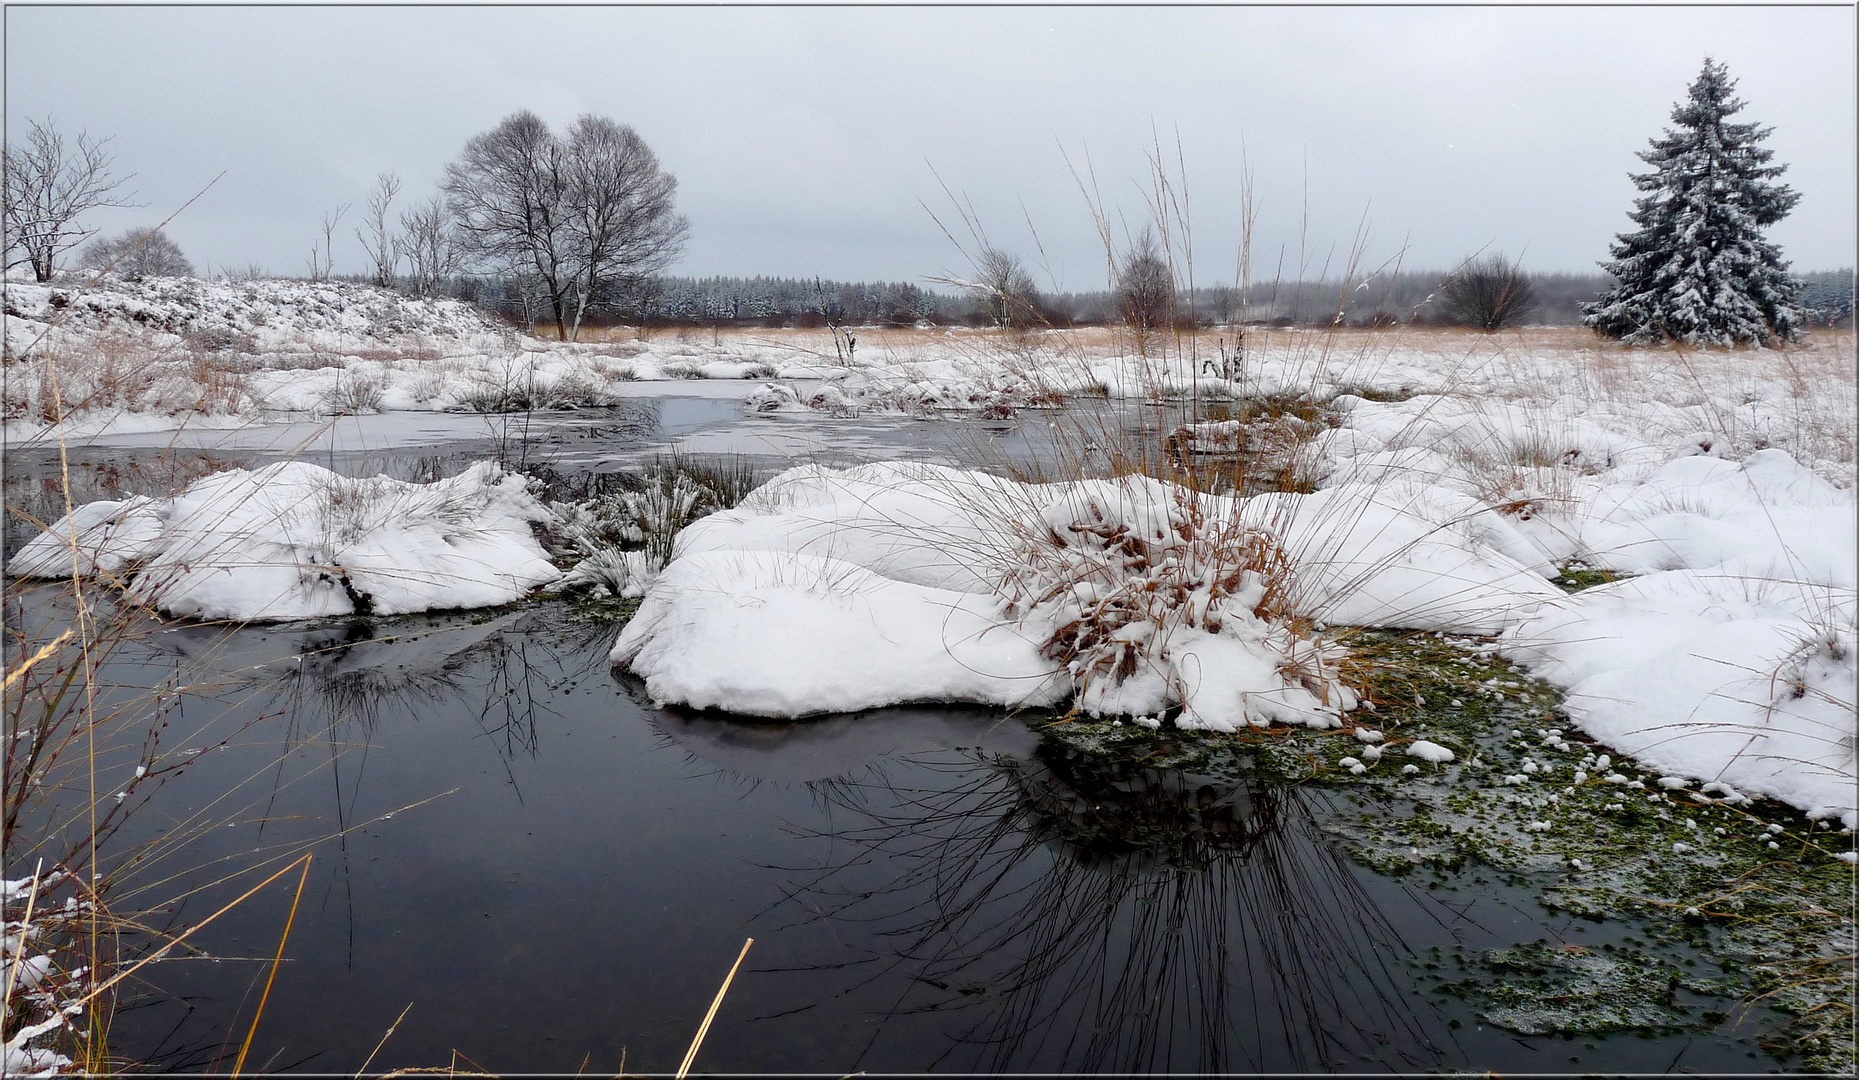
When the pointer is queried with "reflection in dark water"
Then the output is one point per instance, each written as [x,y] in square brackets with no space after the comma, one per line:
[309,701]
[928,887]
[1072,914]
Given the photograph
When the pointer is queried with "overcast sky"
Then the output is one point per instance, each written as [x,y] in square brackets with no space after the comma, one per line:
[804,139]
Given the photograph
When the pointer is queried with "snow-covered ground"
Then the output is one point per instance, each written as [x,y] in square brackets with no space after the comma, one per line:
[1458,474]
[168,352]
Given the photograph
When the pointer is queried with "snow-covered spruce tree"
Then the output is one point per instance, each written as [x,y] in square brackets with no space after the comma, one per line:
[1698,271]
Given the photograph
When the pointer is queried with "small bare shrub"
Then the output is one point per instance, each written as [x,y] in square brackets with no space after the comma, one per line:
[353,394]
[1489,293]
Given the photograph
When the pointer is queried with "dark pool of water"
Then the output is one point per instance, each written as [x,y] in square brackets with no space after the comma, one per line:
[928,888]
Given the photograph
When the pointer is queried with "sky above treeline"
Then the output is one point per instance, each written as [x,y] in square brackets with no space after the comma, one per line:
[828,141]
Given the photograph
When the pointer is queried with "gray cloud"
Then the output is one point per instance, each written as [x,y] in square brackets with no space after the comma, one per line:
[804,138]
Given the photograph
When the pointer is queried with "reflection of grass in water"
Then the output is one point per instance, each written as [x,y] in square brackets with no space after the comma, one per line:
[1075,913]
[98,727]
[318,713]
[1778,918]
[499,664]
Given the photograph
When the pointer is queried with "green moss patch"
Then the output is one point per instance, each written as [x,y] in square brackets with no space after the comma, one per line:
[1749,891]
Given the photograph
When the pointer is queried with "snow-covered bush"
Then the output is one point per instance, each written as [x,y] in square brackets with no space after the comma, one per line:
[1130,595]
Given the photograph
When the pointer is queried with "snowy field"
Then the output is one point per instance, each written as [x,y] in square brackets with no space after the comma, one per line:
[1450,478]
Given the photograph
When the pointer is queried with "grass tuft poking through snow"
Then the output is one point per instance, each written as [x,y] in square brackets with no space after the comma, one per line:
[624,538]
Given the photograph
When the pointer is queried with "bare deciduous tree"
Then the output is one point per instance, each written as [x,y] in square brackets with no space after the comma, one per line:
[1489,293]
[376,234]
[1146,287]
[322,259]
[1005,289]
[572,214]
[622,222]
[506,193]
[137,254]
[47,185]
[430,245]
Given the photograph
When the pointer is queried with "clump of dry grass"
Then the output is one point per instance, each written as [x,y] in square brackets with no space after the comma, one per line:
[352,394]
[123,373]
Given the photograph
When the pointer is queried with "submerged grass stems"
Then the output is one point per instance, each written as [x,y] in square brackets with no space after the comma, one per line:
[1089,912]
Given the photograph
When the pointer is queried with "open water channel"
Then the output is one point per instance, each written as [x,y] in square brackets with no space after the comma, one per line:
[555,874]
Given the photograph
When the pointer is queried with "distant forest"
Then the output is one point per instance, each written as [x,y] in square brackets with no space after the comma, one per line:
[1408,297]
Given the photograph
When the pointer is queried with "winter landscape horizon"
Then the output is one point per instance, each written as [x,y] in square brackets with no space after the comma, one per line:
[1343,560]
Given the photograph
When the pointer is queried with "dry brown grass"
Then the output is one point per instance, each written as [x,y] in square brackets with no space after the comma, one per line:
[124,373]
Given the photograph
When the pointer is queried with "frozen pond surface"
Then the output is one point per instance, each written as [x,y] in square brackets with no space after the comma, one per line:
[568,871]
[699,418]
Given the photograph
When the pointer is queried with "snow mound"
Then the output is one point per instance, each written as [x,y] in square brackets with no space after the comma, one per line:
[1132,595]
[294,540]
[1731,658]
[782,634]
[1429,751]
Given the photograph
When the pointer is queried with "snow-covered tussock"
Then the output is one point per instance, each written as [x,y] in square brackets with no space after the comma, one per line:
[294,540]
[1152,594]
[922,583]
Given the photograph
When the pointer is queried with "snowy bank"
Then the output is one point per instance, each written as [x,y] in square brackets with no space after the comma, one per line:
[1728,657]
[253,316]
[1731,658]
[1133,596]
[294,540]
